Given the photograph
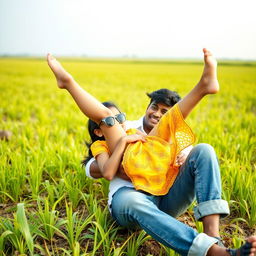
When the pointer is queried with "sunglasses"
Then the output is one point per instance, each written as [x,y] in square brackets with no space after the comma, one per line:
[110,120]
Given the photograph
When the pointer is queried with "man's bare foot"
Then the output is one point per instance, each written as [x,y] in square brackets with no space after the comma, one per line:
[62,76]
[209,82]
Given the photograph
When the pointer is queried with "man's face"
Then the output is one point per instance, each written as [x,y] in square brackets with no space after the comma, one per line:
[153,114]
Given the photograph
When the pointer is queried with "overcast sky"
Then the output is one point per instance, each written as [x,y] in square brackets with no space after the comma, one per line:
[142,28]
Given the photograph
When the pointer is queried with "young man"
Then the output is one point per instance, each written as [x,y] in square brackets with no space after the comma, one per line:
[160,102]
[203,182]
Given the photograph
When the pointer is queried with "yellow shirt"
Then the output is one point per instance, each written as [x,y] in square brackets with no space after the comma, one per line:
[151,164]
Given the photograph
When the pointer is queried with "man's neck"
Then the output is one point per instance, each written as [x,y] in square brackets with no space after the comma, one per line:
[145,128]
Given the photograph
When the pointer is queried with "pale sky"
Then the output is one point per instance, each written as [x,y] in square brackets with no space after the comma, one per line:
[141,28]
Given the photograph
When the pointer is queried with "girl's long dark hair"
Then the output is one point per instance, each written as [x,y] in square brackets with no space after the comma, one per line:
[91,127]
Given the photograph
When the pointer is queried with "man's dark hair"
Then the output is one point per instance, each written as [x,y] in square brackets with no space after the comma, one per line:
[164,96]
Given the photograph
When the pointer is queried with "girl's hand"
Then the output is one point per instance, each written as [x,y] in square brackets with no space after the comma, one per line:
[181,158]
[133,138]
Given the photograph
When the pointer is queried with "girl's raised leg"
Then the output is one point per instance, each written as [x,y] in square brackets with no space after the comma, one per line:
[208,84]
[89,105]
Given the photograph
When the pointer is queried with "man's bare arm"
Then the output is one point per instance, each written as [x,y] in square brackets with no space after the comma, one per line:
[95,170]
[96,173]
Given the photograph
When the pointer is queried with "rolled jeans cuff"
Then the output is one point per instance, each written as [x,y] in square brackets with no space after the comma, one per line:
[217,206]
[201,245]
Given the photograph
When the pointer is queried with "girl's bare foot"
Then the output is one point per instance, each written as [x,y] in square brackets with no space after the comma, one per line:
[209,82]
[62,76]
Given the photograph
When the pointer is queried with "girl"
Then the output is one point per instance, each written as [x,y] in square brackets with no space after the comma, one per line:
[141,159]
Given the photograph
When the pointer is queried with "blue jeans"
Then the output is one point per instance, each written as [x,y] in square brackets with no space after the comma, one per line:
[199,179]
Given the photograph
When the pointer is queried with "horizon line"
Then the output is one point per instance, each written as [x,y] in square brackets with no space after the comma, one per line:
[124,57]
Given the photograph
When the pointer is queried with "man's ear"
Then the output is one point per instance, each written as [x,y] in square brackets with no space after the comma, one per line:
[98,132]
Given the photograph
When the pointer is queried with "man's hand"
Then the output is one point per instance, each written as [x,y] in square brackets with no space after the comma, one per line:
[96,173]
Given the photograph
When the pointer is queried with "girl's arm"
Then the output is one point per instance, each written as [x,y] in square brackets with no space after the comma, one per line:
[109,165]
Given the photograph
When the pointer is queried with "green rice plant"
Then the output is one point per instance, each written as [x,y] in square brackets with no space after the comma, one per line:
[35,170]
[45,218]
[135,241]
[168,251]
[14,238]
[74,183]
[237,241]
[18,232]
[91,202]
[5,197]
[24,227]
[54,191]
[248,210]
[51,190]
[74,227]
[3,236]
[103,232]
[119,251]
[74,195]
[252,216]
[199,226]
[12,176]
[104,184]
[75,252]
[102,239]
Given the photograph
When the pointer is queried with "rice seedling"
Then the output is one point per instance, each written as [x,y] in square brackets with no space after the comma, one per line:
[47,219]
[135,241]
[18,232]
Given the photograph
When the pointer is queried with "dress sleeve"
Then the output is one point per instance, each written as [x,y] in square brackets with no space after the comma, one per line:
[98,147]
[183,134]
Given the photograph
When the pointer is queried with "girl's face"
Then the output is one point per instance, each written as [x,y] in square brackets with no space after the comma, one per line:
[115,112]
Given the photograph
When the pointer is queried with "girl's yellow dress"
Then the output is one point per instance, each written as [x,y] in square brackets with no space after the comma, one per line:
[151,165]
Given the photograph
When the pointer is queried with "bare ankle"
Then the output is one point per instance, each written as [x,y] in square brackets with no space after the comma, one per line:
[217,250]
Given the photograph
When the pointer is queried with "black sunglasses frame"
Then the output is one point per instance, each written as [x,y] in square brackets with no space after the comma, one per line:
[110,120]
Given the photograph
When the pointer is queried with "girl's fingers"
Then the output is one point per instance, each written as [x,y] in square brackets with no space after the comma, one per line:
[136,137]
[180,159]
[141,137]
[140,132]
